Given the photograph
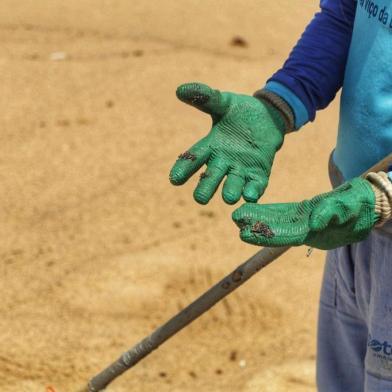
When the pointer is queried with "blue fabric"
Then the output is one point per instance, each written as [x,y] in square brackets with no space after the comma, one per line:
[315,69]
[347,41]
[354,348]
[355,320]
[300,112]
[365,127]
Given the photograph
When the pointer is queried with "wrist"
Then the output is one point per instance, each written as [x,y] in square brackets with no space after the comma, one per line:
[382,188]
[280,105]
[301,114]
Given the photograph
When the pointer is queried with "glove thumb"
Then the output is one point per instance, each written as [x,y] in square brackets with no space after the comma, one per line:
[322,215]
[203,98]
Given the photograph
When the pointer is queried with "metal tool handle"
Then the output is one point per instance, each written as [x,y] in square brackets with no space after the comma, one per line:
[231,282]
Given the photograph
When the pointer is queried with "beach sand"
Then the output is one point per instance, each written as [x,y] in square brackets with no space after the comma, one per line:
[97,247]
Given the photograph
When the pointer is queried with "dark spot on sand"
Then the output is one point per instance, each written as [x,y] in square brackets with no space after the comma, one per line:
[207,214]
[239,42]
[83,121]
[181,202]
[138,53]
[126,239]
[33,56]
[63,123]
[233,356]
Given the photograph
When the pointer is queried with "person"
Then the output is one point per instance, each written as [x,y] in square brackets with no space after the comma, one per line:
[347,44]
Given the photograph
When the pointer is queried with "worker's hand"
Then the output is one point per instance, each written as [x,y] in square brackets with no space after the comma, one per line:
[340,217]
[243,140]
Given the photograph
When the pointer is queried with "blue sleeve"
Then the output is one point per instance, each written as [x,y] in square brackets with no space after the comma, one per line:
[314,71]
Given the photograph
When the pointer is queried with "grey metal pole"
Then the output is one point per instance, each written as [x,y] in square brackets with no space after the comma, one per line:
[231,282]
[206,301]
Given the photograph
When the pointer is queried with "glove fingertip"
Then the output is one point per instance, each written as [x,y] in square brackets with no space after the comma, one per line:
[230,198]
[235,216]
[251,198]
[176,181]
[201,197]
[177,177]
[248,237]
[253,192]
[194,93]
[240,213]
[181,91]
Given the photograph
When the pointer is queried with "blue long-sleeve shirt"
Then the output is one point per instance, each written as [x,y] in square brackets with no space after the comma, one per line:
[349,44]
[315,69]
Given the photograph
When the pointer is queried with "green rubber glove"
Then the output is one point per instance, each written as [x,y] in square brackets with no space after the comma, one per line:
[243,140]
[340,217]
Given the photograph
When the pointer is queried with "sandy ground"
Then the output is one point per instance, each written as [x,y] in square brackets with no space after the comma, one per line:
[97,248]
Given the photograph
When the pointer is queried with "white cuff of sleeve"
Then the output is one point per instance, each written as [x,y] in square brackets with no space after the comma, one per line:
[382,187]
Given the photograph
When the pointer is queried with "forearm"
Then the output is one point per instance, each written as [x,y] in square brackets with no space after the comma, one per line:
[314,71]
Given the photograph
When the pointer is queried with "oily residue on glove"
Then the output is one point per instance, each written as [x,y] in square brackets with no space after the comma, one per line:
[203,176]
[187,155]
[200,99]
[243,223]
[263,229]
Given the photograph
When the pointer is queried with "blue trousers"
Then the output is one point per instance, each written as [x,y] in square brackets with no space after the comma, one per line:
[354,352]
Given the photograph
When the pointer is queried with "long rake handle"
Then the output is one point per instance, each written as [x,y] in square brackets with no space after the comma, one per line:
[206,301]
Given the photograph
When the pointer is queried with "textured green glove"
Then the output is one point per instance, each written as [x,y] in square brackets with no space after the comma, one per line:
[245,135]
[340,217]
